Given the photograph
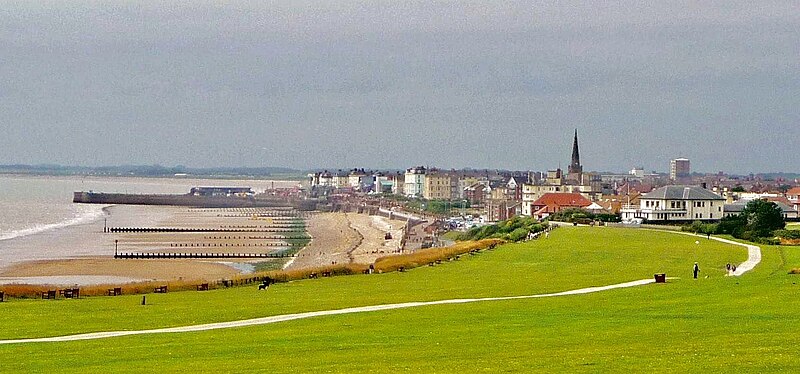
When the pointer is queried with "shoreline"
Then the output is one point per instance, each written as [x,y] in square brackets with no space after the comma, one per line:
[336,238]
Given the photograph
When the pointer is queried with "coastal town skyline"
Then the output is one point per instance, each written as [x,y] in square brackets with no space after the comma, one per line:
[333,84]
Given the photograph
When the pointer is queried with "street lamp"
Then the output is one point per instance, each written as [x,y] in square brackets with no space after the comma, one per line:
[116,241]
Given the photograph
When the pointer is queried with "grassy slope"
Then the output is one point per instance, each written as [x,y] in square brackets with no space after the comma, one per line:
[710,324]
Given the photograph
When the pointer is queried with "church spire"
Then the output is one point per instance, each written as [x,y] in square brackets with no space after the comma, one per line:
[575,166]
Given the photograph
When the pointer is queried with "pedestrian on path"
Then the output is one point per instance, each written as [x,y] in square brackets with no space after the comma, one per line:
[696,270]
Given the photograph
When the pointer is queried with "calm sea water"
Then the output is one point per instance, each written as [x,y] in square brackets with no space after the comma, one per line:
[34,205]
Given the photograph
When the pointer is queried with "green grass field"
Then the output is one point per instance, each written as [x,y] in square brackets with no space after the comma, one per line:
[711,324]
[793,225]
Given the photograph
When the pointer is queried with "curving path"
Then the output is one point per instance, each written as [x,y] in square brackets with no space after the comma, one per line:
[290,317]
[753,252]
[753,259]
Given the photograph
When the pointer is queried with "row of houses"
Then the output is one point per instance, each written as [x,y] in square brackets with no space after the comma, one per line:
[503,195]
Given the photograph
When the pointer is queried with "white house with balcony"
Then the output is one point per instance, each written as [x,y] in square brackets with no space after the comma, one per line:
[676,203]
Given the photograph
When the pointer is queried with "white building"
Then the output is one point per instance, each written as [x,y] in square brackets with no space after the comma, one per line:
[676,203]
[414,182]
[787,211]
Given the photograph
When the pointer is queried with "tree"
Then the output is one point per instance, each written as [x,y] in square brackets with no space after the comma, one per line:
[762,217]
[737,188]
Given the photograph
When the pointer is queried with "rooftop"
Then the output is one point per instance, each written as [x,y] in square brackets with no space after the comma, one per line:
[682,193]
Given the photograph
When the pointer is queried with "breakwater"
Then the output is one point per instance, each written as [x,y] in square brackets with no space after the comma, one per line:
[184,229]
[162,255]
[193,200]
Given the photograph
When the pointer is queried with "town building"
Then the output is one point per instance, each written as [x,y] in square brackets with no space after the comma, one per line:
[554,202]
[679,168]
[576,181]
[358,179]
[382,183]
[787,211]
[440,186]
[477,193]
[465,181]
[414,181]
[676,203]
[398,187]
[793,195]
[221,191]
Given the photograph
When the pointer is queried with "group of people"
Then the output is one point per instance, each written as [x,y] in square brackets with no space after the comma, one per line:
[696,269]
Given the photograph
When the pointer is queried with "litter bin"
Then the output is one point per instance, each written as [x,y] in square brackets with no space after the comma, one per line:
[660,278]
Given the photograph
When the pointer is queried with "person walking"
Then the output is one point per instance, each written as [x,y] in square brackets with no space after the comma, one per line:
[696,270]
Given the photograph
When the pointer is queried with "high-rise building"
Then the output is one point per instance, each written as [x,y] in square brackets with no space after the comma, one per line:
[679,168]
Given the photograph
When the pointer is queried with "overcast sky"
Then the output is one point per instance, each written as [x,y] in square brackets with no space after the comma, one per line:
[393,84]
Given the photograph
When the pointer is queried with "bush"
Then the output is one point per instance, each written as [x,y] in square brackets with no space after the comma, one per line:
[788,234]
[508,229]
[518,234]
[425,256]
[767,241]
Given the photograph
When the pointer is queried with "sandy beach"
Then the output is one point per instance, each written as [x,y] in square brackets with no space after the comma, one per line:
[86,254]
[342,238]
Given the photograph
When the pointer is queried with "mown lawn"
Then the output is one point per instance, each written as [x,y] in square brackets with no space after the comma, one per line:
[715,323]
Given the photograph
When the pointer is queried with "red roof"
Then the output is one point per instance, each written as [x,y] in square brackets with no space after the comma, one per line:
[555,201]
[793,191]
[781,199]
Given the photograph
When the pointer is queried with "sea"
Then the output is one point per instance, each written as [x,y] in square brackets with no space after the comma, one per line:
[39,221]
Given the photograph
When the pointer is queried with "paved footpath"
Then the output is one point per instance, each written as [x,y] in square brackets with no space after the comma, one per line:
[290,317]
[753,252]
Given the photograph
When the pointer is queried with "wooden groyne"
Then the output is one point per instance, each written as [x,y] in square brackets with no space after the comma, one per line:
[162,255]
[182,229]
[194,200]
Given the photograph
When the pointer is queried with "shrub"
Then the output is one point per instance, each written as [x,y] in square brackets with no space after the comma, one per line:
[518,234]
[788,234]
[425,256]
[768,241]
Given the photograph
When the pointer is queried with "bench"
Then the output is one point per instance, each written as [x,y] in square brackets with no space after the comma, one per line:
[202,287]
[49,294]
[2,296]
[70,293]
[162,289]
[660,277]
[326,273]
[312,276]
[114,291]
[227,283]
